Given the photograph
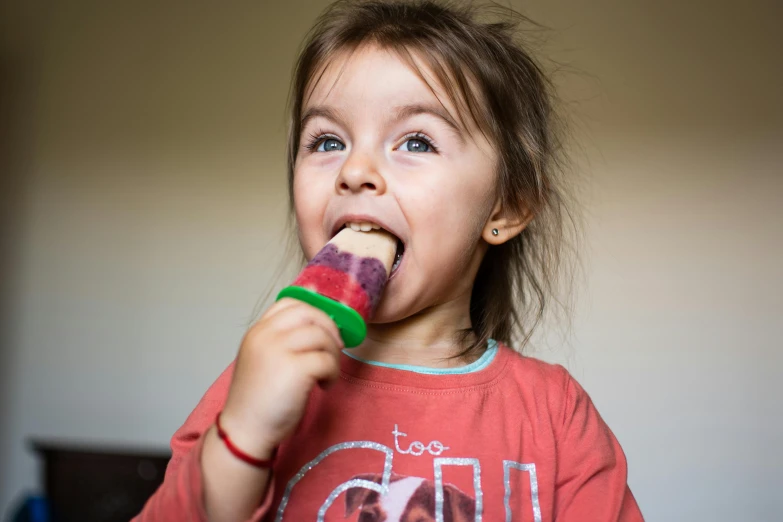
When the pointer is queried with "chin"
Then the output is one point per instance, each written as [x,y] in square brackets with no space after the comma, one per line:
[396,308]
[390,311]
[384,316]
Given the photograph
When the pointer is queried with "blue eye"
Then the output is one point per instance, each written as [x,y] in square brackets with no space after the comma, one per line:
[329,145]
[416,145]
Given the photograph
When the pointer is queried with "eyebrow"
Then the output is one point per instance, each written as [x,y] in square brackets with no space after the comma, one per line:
[322,111]
[406,111]
[400,113]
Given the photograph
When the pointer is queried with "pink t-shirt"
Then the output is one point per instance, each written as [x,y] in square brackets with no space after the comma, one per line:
[518,441]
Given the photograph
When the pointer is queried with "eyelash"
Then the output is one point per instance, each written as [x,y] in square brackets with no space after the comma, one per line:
[315,139]
[419,135]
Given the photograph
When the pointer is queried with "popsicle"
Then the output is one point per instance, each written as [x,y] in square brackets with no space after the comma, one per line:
[346,278]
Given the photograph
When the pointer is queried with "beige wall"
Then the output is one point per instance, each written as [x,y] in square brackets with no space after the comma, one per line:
[143,197]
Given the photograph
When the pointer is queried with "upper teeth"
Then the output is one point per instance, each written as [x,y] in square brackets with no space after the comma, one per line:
[363,227]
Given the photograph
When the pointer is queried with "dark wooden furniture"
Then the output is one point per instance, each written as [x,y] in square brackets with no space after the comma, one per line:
[98,484]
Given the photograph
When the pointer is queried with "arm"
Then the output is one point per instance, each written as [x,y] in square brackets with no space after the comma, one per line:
[292,348]
[591,483]
[181,496]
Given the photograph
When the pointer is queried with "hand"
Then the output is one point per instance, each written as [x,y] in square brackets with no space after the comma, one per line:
[293,347]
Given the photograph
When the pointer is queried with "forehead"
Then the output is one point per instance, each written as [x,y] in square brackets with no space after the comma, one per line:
[378,77]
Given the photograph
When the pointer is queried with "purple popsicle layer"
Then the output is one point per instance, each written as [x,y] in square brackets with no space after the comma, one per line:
[369,272]
[352,269]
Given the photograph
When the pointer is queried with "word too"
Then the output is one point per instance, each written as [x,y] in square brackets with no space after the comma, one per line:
[417,448]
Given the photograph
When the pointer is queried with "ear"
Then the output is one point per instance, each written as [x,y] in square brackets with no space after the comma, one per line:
[356,497]
[507,223]
[457,506]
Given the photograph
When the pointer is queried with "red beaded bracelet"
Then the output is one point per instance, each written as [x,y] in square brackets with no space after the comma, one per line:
[238,453]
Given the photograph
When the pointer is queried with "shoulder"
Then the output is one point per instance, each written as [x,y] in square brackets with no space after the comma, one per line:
[548,386]
[531,372]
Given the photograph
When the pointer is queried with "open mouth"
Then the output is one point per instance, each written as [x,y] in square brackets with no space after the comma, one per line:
[369,226]
[398,256]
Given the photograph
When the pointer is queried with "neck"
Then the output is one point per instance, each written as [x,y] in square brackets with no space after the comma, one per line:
[430,338]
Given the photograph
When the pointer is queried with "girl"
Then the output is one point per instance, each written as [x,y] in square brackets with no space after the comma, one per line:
[438,128]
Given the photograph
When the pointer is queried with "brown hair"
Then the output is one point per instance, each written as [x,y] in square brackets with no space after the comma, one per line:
[488,74]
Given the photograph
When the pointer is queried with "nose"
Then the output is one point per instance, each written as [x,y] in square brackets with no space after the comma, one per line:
[358,174]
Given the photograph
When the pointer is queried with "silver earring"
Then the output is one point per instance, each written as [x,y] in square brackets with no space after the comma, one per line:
[495,231]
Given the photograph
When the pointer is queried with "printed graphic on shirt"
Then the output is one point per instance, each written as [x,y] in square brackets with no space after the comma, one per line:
[382,495]
[409,499]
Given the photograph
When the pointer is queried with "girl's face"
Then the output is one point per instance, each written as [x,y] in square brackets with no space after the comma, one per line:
[378,146]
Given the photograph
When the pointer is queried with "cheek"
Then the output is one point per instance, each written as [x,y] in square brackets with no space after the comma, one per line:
[460,203]
[309,206]
[449,212]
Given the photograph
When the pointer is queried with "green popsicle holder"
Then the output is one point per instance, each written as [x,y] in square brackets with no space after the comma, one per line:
[352,327]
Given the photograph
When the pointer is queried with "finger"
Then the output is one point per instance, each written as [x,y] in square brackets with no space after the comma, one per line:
[283,304]
[300,315]
[312,337]
[320,366]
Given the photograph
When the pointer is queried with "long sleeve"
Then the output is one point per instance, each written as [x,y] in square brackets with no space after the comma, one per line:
[591,482]
[180,498]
